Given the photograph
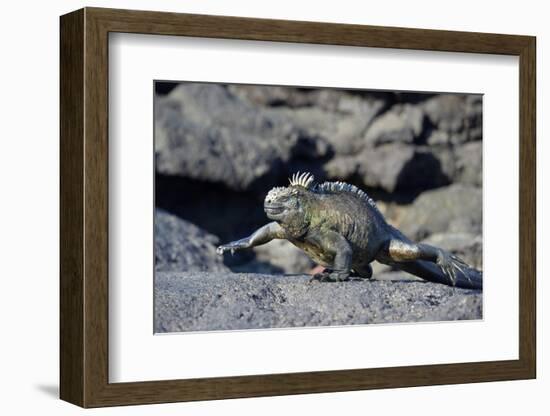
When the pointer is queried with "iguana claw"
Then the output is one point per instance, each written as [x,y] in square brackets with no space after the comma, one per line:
[227,247]
[450,264]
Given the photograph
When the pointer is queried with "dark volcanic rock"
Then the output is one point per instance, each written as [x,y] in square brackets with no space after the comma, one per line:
[224,301]
[227,214]
[456,208]
[250,138]
[219,134]
[457,117]
[183,247]
[204,132]
[341,129]
[403,124]
[381,167]
[468,164]
[281,96]
[395,167]
[342,167]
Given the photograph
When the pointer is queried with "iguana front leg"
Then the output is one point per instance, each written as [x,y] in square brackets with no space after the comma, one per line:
[261,236]
[333,242]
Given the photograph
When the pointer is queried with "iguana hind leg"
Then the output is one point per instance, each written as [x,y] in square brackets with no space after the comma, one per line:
[400,251]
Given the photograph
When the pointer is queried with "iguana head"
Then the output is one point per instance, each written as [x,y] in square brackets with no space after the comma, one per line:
[288,205]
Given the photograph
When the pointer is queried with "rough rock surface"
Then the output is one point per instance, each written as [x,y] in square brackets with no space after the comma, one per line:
[221,301]
[182,246]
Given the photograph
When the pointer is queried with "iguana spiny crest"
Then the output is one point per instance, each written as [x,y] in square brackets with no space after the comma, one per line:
[307,181]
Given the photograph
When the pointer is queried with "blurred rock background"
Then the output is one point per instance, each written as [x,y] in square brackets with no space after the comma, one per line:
[220,148]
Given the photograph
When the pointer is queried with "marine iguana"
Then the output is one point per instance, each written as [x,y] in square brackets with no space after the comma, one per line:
[339,227]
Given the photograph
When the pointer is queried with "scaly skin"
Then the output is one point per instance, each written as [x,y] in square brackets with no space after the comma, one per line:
[340,228]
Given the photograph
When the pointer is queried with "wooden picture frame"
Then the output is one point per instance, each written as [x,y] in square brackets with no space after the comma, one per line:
[84,207]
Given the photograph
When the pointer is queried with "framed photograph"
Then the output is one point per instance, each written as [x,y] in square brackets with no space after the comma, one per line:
[255,207]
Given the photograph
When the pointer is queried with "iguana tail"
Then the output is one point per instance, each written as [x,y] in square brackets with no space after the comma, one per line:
[465,277]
